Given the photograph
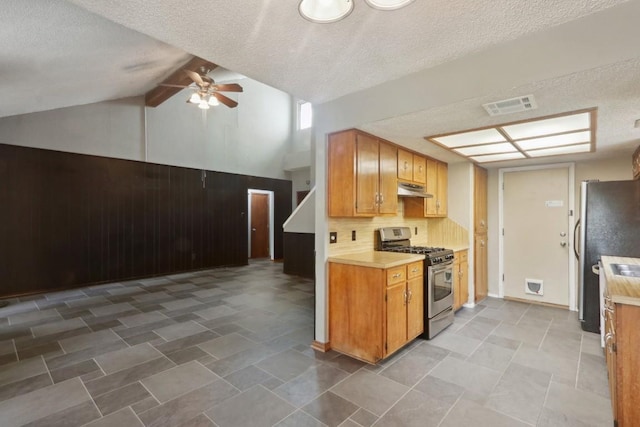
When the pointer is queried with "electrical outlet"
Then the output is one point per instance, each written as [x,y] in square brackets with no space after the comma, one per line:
[416,232]
[353,235]
[333,237]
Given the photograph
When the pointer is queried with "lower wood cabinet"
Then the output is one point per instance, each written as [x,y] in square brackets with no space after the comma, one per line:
[622,345]
[460,278]
[373,312]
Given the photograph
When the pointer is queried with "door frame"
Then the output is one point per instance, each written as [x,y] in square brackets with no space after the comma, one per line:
[573,304]
[270,194]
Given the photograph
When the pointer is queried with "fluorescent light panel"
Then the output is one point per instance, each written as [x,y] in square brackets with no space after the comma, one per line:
[498,157]
[503,147]
[555,141]
[477,137]
[568,149]
[548,126]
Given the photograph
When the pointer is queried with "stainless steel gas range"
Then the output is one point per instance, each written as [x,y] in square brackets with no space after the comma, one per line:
[438,280]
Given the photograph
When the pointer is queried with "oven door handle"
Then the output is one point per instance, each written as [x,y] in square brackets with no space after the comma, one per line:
[441,267]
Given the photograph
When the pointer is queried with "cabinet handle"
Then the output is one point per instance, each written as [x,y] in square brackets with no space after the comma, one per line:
[482,222]
[381,199]
[415,270]
[406,165]
[608,342]
[438,204]
[410,295]
[482,243]
[420,169]
[377,199]
[395,276]
[405,297]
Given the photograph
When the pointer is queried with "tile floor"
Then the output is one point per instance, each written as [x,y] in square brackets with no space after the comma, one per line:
[230,347]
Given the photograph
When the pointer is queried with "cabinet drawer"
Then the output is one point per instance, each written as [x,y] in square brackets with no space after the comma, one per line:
[415,269]
[462,256]
[396,275]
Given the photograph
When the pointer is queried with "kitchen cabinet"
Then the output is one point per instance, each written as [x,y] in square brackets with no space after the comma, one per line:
[373,311]
[436,184]
[460,279]
[412,167]
[480,200]
[621,344]
[481,287]
[362,175]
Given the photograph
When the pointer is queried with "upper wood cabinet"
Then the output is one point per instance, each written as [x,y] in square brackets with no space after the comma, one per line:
[480,199]
[411,167]
[436,184]
[362,175]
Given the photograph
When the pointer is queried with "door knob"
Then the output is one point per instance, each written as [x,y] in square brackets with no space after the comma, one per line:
[253,229]
[563,244]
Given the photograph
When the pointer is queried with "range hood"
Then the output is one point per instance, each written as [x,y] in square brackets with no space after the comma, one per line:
[412,190]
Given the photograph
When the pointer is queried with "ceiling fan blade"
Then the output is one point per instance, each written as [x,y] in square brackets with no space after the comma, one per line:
[226,101]
[231,87]
[194,76]
[168,85]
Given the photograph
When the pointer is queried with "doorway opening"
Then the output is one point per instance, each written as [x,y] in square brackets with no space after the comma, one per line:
[260,224]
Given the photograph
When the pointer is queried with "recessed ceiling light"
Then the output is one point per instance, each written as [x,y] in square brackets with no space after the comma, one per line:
[388,4]
[325,11]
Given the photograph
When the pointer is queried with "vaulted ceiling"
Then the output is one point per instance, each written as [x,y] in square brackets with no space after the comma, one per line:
[57,53]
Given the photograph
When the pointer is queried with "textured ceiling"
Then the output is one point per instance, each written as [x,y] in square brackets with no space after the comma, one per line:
[115,48]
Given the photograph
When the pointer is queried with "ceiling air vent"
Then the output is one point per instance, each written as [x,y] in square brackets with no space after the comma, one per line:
[513,105]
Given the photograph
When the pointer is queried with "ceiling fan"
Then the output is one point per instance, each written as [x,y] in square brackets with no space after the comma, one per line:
[206,91]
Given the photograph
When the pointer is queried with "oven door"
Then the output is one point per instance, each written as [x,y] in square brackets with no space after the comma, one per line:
[439,288]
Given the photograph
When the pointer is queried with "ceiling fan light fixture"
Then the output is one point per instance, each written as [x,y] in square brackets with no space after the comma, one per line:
[195,98]
[325,11]
[204,105]
[213,101]
[388,4]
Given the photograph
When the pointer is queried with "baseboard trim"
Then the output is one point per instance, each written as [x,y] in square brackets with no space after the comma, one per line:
[528,301]
[469,304]
[321,346]
[494,295]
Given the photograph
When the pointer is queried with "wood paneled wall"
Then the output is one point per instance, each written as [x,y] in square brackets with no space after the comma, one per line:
[299,254]
[68,220]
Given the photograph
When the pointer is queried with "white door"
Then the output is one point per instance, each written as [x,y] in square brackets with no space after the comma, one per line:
[537,234]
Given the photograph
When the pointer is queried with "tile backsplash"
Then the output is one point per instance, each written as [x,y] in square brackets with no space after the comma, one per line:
[431,232]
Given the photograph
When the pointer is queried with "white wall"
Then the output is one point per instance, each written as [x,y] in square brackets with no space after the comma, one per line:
[251,139]
[110,129]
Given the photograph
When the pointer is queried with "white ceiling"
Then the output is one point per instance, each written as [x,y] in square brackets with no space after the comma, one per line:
[61,55]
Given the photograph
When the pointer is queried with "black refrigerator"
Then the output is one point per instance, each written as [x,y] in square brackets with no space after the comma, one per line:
[609,225]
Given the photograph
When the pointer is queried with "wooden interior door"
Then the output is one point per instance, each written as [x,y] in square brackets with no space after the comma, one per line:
[259,225]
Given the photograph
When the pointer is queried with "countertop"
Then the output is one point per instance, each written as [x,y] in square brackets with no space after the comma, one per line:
[376,259]
[622,289]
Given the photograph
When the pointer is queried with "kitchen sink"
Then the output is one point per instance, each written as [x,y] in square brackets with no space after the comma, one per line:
[629,270]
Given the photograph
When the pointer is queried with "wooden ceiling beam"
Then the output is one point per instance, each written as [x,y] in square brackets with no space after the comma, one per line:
[158,95]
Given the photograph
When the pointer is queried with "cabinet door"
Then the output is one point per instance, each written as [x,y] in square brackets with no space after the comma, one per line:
[405,165]
[415,307]
[432,188]
[464,282]
[396,317]
[388,186]
[480,261]
[366,175]
[443,189]
[456,282]
[419,169]
[480,199]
